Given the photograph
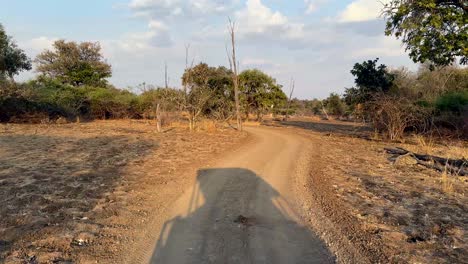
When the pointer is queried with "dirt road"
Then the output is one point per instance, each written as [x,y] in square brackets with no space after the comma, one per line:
[242,210]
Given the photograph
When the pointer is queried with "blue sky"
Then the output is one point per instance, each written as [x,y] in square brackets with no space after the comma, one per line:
[314,41]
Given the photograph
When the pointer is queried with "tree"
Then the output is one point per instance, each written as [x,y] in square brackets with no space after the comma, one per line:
[432,30]
[235,76]
[221,105]
[290,99]
[334,105]
[260,92]
[13,60]
[196,82]
[369,79]
[75,64]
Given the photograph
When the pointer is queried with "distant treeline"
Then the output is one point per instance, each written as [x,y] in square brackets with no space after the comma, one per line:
[72,84]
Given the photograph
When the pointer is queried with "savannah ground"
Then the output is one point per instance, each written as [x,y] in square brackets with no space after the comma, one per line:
[105,192]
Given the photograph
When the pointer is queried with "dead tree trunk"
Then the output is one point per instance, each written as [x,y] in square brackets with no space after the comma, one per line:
[158,119]
[289,101]
[235,76]
[453,166]
[166,81]
[324,110]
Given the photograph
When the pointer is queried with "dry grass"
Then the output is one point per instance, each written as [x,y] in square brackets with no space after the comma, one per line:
[447,183]
[417,214]
[451,150]
[78,192]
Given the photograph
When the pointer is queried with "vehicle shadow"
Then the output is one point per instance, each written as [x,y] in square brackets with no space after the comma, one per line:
[234,216]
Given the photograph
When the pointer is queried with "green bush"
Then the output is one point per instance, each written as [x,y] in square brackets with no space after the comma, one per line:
[108,103]
[50,98]
[452,102]
[22,101]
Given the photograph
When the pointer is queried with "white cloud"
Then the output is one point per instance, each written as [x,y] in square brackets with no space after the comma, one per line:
[38,44]
[312,5]
[380,46]
[135,42]
[362,10]
[157,25]
[258,19]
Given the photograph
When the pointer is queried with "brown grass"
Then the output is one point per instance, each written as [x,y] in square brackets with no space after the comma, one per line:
[417,214]
[78,192]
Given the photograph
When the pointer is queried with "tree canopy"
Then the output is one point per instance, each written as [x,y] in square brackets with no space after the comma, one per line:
[260,91]
[13,60]
[334,105]
[211,86]
[432,30]
[369,79]
[75,64]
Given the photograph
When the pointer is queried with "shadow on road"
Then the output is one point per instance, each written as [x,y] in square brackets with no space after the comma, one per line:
[234,216]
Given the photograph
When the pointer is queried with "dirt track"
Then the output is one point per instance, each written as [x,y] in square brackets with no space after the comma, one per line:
[241,210]
[222,196]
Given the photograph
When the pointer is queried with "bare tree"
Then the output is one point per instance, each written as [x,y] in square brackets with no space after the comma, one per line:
[324,110]
[235,77]
[290,99]
[154,108]
[166,81]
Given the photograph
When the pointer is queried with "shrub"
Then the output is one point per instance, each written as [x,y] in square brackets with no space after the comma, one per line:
[452,111]
[392,116]
[108,103]
[453,102]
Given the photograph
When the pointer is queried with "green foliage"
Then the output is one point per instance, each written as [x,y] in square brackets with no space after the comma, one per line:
[453,102]
[75,64]
[370,79]
[13,60]
[419,101]
[66,100]
[432,30]
[335,105]
[260,92]
[108,103]
[51,98]
[169,98]
[306,107]
[71,88]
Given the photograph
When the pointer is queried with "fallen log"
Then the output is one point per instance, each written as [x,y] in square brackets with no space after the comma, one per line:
[457,167]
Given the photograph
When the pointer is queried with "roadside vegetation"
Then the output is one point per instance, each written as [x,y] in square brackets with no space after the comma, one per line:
[72,85]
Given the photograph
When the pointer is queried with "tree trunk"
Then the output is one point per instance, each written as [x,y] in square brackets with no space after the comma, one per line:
[289,101]
[235,77]
[158,119]
[453,166]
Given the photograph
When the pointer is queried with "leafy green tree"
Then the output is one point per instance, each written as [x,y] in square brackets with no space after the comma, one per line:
[432,30]
[221,104]
[335,105]
[75,64]
[13,60]
[369,79]
[210,90]
[260,92]
[198,81]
